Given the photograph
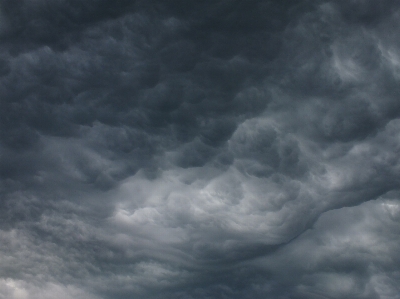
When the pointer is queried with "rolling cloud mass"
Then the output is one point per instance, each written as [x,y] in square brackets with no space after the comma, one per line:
[199,149]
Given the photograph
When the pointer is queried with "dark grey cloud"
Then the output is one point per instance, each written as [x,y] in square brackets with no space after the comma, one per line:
[214,149]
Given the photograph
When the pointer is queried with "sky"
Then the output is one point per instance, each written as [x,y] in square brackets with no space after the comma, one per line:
[199,149]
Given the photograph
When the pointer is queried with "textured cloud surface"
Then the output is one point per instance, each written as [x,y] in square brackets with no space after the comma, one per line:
[199,149]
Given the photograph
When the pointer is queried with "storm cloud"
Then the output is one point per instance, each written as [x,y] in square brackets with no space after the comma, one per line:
[199,149]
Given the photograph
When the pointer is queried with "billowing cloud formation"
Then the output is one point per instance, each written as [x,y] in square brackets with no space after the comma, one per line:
[219,149]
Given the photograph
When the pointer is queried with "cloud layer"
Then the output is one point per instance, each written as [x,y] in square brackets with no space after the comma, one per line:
[219,149]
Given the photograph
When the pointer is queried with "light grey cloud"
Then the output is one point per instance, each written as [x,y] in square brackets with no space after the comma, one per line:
[345,254]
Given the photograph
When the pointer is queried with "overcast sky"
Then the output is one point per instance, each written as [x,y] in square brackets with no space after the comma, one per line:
[175,149]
